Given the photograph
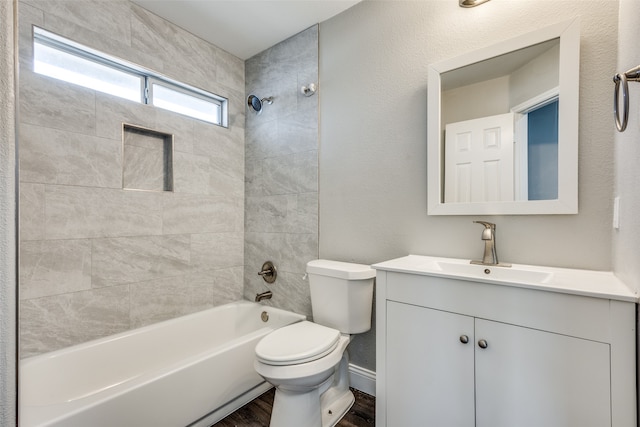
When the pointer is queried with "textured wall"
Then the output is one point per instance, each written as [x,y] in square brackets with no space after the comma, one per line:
[281,222]
[8,294]
[373,176]
[96,259]
[626,240]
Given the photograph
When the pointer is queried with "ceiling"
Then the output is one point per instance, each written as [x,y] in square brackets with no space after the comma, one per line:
[245,27]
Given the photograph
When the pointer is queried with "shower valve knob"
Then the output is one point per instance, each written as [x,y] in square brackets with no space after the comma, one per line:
[268,272]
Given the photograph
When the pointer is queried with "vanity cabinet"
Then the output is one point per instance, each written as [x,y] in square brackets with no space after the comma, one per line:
[454,352]
[489,374]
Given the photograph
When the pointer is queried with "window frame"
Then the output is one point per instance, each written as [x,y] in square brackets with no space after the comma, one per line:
[147,77]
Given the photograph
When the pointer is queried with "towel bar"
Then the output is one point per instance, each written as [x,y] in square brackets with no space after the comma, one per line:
[621,81]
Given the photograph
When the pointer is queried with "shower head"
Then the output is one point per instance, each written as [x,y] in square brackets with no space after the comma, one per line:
[256,103]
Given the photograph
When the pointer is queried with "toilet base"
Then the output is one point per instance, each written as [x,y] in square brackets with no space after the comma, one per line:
[336,409]
[289,409]
[321,406]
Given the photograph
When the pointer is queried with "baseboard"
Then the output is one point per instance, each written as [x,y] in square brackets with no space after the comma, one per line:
[362,379]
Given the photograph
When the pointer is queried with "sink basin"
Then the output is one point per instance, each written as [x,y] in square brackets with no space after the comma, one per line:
[600,284]
[508,274]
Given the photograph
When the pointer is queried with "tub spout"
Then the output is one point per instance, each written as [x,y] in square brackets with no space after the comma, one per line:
[264,295]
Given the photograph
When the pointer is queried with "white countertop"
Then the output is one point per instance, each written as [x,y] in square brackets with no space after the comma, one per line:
[598,284]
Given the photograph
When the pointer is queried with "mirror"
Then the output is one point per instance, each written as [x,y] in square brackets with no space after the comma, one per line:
[503,127]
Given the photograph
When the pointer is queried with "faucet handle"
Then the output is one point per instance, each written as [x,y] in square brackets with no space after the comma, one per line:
[489,229]
[489,225]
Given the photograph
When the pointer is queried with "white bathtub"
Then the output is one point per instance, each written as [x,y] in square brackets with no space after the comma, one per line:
[193,370]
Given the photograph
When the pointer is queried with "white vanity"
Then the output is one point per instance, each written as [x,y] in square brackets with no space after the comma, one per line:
[473,345]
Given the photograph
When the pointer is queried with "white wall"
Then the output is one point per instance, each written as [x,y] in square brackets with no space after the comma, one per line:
[7,219]
[373,109]
[487,98]
[626,240]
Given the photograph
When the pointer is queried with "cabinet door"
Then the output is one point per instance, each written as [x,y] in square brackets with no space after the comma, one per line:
[527,377]
[429,371]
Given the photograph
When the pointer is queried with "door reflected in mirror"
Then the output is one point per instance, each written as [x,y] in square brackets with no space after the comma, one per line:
[503,127]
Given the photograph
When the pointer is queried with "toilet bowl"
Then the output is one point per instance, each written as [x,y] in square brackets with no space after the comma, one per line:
[307,362]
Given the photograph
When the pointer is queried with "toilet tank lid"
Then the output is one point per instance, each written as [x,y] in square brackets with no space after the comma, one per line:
[341,270]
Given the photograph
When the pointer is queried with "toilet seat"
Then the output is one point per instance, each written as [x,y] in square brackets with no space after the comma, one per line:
[299,343]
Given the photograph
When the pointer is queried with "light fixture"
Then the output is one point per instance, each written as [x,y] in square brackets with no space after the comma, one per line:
[471,3]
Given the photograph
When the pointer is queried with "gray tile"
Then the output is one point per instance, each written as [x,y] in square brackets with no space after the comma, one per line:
[267,214]
[237,109]
[305,214]
[28,16]
[261,138]
[148,160]
[144,168]
[181,127]
[185,213]
[226,178]
[281,171]
[191,173]
[61,157]
[227,285]
[79,212]
[254,177]
[109,19]
[52,103]
[161,299]
[218,142]
[196,69]
[197,58]
[113,43]
[31,212]
[296,173]
[51,267]
[290,291]
[124,260]
[290,213]
[289,252]
[112,112]
[58,321]
[230,70]
[297,133]
[217,250]
[168,275]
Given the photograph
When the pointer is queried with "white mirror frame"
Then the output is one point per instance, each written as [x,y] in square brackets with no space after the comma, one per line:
[569,76]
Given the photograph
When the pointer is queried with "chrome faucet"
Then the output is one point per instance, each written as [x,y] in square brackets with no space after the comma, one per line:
[490,256]
[264,295]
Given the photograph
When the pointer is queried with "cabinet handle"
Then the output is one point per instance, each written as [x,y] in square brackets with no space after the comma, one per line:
[464,339]
[483,344]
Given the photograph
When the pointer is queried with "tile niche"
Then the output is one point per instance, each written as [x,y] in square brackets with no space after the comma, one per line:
[147,159]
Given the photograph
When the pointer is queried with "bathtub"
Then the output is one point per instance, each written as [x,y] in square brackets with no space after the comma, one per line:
[189,371]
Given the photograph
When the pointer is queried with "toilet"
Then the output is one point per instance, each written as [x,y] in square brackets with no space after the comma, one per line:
[307,361]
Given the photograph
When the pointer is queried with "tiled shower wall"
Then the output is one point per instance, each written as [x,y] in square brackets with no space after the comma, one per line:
[281,171]
[96,259]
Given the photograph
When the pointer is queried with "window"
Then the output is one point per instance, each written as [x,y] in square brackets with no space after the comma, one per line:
[183,102]
[63,59]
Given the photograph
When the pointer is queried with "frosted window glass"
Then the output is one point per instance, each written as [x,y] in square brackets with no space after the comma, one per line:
[180,102]
[90,74]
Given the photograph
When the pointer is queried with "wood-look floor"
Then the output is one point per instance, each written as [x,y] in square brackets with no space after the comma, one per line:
[258,412]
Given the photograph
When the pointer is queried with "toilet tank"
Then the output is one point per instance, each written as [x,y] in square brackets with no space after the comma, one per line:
[341,295]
